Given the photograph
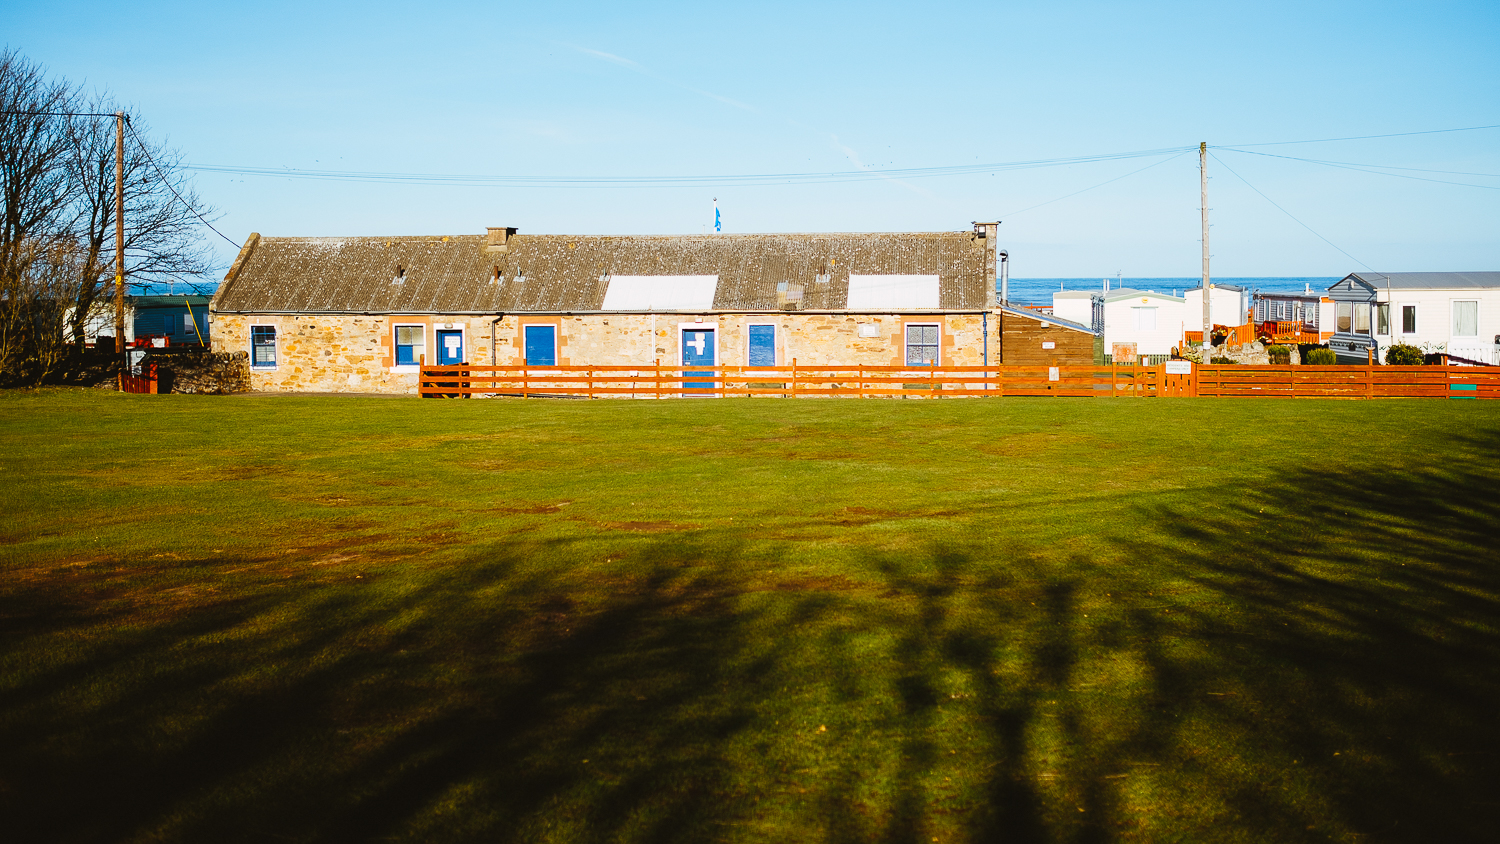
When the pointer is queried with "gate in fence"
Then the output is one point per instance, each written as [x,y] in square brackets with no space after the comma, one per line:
[1167,380]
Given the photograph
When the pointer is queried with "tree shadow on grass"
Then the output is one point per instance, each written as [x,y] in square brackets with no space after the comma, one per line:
[1313,659]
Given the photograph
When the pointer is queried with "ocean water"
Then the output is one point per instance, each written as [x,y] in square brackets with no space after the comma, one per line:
[1038,291]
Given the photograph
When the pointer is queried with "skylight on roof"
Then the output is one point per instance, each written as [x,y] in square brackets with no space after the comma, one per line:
[893,292]
[660,292]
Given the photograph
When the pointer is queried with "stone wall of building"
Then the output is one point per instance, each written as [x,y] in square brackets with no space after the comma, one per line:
[355,353]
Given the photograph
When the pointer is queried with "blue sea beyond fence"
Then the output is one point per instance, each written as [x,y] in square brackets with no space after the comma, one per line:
[1038,291]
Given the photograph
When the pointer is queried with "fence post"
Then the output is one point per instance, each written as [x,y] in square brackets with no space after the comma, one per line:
[1114,390]
[932,386]
[794,377]
[591,382]
[861,382]
[658,378]
[525,381]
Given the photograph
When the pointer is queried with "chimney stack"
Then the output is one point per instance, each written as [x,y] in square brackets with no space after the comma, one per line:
[498,238]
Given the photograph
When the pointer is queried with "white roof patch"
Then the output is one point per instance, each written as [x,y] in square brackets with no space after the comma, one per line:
[660,293]
[893,292]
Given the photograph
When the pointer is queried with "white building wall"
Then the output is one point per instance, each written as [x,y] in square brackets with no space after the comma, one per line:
[1076,306]
[1120,324]
[1435,322]
[1229,308]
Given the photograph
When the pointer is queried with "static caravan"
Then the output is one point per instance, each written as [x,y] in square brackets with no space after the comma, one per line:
[1150,320]
[1457,314]
[1300,313]
[1229,305]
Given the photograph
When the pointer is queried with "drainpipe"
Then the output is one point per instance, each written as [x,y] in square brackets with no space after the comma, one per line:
[494,322]
[1004,277]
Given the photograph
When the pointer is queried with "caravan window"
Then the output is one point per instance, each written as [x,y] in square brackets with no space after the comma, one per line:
[1362,318]
[1346,310]
[1408,319]
[1466,319]
[1145,319]
[1383,319]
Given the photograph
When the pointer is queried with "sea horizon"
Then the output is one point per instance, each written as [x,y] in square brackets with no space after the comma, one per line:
[1038,291]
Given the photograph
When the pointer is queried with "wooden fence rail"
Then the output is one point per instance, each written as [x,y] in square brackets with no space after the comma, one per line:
[798,381]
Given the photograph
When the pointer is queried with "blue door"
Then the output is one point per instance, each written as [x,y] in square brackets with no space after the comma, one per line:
[450,348]
[541,345]
[698,349]
[762,345]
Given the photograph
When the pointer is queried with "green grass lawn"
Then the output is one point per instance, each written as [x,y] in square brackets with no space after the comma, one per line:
[308,619]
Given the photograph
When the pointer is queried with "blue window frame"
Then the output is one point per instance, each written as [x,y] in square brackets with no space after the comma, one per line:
[762,345]
[541,345]
[411,344]
[263,346]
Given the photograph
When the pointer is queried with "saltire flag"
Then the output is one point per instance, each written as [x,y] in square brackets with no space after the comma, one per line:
[718,227]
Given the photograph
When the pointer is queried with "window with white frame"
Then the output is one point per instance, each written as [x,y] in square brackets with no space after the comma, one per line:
[1145,319]
[263,346]
[411,344]
[922,345]
[1408,319]
[1466,318]
[1383,319]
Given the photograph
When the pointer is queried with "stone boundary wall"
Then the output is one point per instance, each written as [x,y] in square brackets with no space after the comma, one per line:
[211,373]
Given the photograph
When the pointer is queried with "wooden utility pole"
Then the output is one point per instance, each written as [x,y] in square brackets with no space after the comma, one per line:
[120,235]
[1208,323]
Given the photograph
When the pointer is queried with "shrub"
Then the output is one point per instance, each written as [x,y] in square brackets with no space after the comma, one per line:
[1279,354]
[1221,359]
[1320,357]
[1402,354]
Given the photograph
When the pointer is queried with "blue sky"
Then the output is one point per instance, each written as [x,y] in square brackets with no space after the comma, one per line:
[585,90]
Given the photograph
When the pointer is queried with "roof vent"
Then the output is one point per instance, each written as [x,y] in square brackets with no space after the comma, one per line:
[498,238]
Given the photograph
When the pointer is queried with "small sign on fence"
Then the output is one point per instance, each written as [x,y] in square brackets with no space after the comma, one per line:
[1049,344]
[1179,367]
[1123,353]
[1053,374]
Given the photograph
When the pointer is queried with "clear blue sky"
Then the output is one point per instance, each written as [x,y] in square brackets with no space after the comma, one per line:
[710,89]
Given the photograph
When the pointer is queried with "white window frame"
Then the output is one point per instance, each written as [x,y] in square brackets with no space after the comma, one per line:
[775,341]
[1416,319]
[1135,311]
[275,332]
[1453,318]
[556,342]
[408,367]
[906,342]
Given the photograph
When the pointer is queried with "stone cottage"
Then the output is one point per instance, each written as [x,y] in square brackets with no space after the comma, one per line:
[363,313]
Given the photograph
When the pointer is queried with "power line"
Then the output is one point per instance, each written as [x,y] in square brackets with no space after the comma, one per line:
[1368,137]
[1365,168]
[164,181]
[1289,214]
[1100,185]
[825,177]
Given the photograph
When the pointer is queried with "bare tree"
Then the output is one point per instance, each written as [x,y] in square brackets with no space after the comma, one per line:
[162,212]
[57,186]
[37,191]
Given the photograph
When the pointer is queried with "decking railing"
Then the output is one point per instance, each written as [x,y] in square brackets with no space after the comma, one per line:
[796,381]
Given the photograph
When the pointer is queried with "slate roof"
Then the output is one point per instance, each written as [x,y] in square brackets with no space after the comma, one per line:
[1429,281]
[552,273]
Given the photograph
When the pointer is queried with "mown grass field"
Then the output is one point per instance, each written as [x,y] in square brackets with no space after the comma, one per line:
[312,619]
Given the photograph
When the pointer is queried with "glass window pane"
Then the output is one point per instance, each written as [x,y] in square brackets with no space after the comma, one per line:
[1382,319]
[1466,319]
[1362,318]
[1345,310]
[1409,319]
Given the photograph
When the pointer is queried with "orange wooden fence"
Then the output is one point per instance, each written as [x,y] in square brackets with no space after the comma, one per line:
[796,381]
[144,383]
